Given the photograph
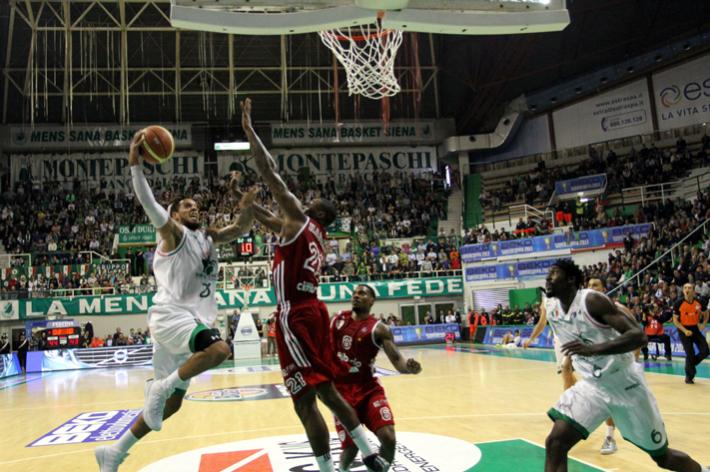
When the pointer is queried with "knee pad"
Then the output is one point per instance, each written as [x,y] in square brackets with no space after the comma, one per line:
[206,338]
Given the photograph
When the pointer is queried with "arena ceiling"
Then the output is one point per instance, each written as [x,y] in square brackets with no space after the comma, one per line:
[163,75]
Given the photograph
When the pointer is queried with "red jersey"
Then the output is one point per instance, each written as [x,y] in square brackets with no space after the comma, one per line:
[297,265]
[354,344]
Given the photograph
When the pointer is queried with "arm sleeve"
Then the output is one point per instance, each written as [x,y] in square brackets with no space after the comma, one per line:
[156,213]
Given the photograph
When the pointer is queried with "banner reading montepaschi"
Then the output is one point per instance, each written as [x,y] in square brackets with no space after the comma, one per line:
[366,132]
[99,137]
[108,170]
[339,162]
[590,183]
[580,240]
[683,94]
[618,113]
[513,270]
[227,299]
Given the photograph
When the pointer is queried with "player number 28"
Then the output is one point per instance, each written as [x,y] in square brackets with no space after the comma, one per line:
[313,263]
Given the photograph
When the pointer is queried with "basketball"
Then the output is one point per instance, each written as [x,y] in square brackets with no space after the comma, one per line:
[159,144]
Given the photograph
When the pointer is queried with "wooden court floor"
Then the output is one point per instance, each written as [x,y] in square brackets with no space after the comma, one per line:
[474,394]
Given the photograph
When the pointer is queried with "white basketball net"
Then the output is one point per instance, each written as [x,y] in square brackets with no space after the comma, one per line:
[367,53]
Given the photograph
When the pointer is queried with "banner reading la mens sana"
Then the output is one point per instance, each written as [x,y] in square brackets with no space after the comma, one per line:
[340,161]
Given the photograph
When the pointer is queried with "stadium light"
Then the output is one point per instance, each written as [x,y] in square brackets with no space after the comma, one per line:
[234,146]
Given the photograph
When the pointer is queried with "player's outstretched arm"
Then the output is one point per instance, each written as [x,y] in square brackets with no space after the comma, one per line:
[538,327]
[169,230]
[243,223]
[604,311]
[266,166]
[261,214]
[383,334]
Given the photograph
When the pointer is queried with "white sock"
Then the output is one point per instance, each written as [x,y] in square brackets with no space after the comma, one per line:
[343,468]
[704,469]
[358,437]
[610,431]
[325,463]
[173,379]
[126,442]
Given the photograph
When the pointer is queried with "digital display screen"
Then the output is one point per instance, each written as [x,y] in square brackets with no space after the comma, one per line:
[245,246]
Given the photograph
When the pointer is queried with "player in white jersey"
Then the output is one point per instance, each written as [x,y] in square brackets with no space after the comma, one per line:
[599,339]
[184,308]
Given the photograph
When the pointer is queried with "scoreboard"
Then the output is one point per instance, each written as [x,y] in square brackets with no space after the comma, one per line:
[245,246]
[62,338]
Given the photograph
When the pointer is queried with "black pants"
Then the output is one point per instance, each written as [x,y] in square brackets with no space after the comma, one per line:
[660,338]
[691,358]
[22,356]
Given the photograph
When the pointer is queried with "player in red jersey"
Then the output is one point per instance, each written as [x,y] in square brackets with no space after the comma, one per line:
[308,363]
[357,338]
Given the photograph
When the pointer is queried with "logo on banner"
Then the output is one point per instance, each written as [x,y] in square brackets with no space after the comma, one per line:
[240,394]
[89,427]
[9,310]
[415,452]
[670,96]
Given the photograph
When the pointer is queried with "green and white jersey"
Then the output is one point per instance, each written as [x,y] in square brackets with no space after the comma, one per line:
[578,325]
[187,276]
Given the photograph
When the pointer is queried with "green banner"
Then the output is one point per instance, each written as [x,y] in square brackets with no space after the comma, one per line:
[136,235]
[228,299]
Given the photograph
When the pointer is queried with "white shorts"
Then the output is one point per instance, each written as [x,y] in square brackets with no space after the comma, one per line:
[625,397]
[173,330]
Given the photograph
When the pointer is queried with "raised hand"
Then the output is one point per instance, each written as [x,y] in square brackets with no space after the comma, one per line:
[135,149]
[235,178]
[249,197]
[246,114]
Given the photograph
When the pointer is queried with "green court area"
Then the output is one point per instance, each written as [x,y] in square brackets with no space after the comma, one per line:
[660,366]
[518,455]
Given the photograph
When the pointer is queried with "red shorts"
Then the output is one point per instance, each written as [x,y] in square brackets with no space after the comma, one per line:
[305,352]
[372,408]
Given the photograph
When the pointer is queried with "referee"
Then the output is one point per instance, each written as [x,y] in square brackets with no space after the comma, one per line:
[686,317]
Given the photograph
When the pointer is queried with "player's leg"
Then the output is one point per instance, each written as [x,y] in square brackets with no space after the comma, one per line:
[180,333]
[316,429]
[579,410]
[609,445]
[110,457]
[347,446]
[347,416]
[558,443]
[388,442]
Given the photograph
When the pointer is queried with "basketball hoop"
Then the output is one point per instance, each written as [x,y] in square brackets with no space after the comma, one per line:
[367,53]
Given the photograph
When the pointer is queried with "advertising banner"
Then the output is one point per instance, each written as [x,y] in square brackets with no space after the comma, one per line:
[89,358]
[96,137]
[424,333]
[108,171]
[364,132]
[513,270]
[339,162]
[89,427]
[9,365]
[618,113]
[227,299]
[552,242]
[137,235]
[591,184]
[683,94]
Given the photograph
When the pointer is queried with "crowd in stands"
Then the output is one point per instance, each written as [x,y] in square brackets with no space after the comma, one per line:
[59,226]
[645,166]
